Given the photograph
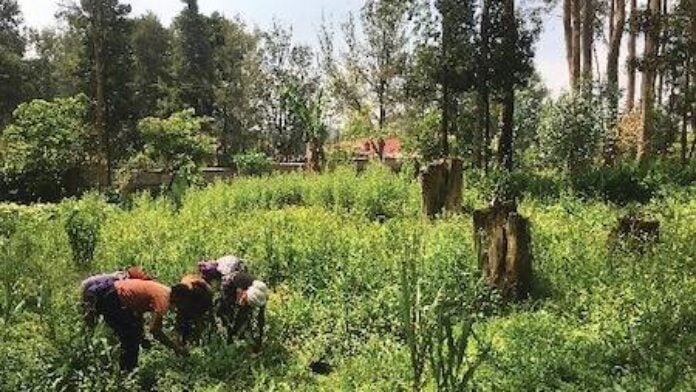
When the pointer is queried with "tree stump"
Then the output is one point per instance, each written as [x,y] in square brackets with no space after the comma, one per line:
[504,248]
[314,155]
[635,232]
[441,187]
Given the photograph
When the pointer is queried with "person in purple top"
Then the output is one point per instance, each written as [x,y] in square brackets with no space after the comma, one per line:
[216,270]
[91,286]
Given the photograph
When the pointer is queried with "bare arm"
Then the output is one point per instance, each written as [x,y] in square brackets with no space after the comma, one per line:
[158,333]
[261,325]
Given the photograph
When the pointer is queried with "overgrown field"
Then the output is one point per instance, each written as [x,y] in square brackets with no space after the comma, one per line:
[335,249]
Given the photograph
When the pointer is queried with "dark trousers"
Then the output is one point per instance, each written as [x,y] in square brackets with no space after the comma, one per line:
[125,323]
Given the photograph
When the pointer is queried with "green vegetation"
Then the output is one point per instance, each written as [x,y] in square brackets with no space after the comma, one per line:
[343,285]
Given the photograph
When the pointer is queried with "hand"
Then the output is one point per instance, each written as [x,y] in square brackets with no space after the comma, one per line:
[181,351]
[146,344]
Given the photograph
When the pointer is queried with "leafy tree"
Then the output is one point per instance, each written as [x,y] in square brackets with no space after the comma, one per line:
[44,147]
[529,104]
[12,70]
[444,61]
[649,65]
[308,114]
[371,71]
[193,60]
[151,64]
[287,68]
[175,144]
[570,131]
[238,89]
[59,59]
[106,68]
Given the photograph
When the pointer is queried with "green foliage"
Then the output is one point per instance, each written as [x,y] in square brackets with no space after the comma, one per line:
[344,284]
[252,164]
[570,131]
[105,65]
[177,141]
[422,138]
[82,225]
[151,59]
[44,146]
[14,70]
[192,61]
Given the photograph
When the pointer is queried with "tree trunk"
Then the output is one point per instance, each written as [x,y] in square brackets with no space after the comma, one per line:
[314,155]
[505,150]
[445,125]
[99,95]
[441,187]
[568,32]
[382,104]
[660,68]
[484,114]
[693,132]
[577,29]
[617,28]
[587,38]
[652,36]
[685,116]
[616,24]
[631,59]
[503,245]
[612,13]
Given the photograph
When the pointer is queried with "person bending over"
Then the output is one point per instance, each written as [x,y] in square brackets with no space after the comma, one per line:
[216,270]
[92,284]
[193,309]
[123,304]
[242,305]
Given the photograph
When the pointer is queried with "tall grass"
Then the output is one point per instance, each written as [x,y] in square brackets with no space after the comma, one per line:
[342,284]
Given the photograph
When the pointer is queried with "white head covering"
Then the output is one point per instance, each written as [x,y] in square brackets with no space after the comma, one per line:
[229,264]
[257,294]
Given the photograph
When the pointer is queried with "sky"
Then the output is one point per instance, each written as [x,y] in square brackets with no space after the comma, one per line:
[305,17]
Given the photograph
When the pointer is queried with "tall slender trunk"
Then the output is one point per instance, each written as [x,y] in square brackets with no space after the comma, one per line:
[631,59]
[617,29]
[616,25]
[100,95]
[650,55]
[693,131]
[685,117]
[446,108]
[587,38]
[568,32]
[661,68]
[505,157]
[382,104]
[612,13]
[577,29]
[484,115]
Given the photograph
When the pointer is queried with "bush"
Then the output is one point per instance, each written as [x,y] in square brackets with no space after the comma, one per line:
[595,321]
[622,184]
[421,137]
[571,132]
[253,164]
[43,150]
[82,225]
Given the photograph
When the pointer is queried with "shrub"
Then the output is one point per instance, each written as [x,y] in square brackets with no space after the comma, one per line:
[571,131]
[82,225]
[253,164]
[622,184]
[43,149]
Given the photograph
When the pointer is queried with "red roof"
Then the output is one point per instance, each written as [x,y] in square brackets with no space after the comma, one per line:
[392,147]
